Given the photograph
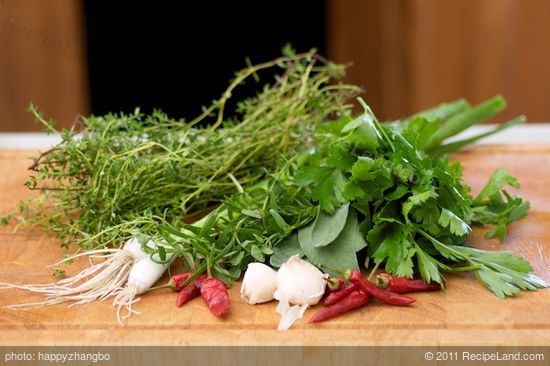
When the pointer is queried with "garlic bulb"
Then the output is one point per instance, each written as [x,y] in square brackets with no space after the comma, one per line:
[299,283]
[259,283]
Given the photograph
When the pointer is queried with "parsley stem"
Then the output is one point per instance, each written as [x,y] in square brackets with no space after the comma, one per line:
[471,267]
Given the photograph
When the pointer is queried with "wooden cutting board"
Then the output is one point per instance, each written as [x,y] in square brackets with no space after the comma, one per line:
[466,314]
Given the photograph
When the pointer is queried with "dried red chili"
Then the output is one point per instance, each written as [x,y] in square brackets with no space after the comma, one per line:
[190,291]
[177,281]
[382,295]
[337,296]
[403,285]
[215,296]
[354,300]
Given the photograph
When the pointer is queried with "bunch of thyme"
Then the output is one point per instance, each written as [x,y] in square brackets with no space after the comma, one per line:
[124,173]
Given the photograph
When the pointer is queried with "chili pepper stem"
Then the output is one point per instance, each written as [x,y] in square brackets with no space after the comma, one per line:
[382,281]
[208,267]
[333,284]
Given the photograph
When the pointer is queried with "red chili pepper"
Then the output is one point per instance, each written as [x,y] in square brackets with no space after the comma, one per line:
[215,296]
[354,300]
[190,291]
[382,295]
[337,296]
[176,282]
[403,285]
[335,284]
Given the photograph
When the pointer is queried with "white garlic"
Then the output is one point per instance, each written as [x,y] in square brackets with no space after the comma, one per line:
[289,314]
[299,283]
[259,283]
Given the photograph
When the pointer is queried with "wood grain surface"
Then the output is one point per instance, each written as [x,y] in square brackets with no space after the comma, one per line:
[44,61]
[412,54]
[466,314]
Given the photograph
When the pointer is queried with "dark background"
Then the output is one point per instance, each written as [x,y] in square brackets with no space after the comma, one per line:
[179,56]
[72,58]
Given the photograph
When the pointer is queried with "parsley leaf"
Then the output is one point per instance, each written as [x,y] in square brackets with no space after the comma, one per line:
[494,205]
[456,225]
[396,250]
[414,213]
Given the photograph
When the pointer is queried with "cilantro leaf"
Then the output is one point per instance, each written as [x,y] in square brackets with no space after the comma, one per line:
[368,169]
[496,206]
[353,190]
[399,192]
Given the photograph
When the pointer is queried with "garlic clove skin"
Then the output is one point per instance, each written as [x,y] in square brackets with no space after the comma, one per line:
[259,283]
[300,282]
[289,314]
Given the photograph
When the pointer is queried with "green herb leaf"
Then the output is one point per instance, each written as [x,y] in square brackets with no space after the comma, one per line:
[324,229]
[257,253]
[340,254]
[496,183]
[456,225]
[284,250]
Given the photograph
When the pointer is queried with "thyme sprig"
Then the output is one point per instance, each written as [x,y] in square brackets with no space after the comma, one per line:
[123,173]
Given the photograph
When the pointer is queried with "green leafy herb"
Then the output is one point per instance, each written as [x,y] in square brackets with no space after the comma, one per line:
[279,179]
[324,229]
[494,205]
[122,173]
[419,210]
[286,249]
[341,253]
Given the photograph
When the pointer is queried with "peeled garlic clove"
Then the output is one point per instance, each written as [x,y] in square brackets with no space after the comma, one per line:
[259,283]
[300,282]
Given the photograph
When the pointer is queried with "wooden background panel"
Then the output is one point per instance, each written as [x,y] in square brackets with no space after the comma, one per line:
[412,54]
[42,60]
[407,54]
